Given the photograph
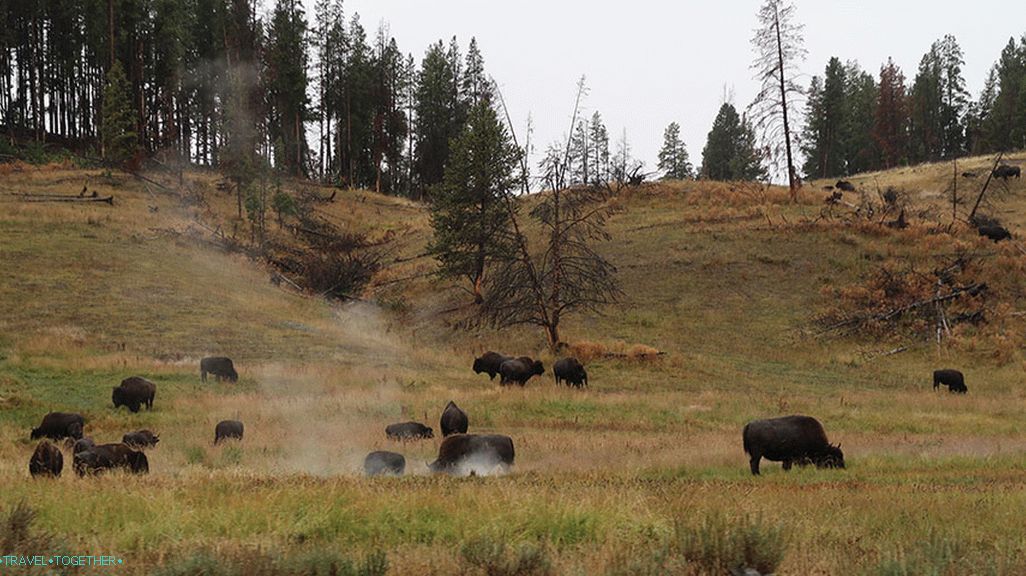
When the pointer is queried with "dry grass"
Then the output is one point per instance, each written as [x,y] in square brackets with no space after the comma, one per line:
[606,478]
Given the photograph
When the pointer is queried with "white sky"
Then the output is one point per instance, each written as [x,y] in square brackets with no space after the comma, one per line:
[651,62]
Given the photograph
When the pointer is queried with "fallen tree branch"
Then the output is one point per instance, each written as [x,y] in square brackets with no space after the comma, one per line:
[972,290]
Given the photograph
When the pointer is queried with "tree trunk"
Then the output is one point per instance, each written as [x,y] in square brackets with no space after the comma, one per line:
[791,180]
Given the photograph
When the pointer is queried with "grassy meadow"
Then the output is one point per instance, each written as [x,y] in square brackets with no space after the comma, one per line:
[642,473]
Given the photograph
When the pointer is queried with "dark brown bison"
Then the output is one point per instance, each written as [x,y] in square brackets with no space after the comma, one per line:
[133,393]
[108,457]
[228,429]
[47,460]
[490,362]
[59,425]
[790,439]
[845,185]
[995,233]
[953,379]
[1005,172]
[968,174]
[140,439]
[409,431]
[453,420]
[520,370]
[571,371]
[383,463]
[464,454]
[221,367]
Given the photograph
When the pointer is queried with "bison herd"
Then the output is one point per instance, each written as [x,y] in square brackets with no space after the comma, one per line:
[790,440]
[459,454]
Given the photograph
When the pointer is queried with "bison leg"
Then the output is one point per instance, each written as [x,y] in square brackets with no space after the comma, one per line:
[203,375]
[787,465]
[754,464]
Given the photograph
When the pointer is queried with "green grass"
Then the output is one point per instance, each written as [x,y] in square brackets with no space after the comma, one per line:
[643,473]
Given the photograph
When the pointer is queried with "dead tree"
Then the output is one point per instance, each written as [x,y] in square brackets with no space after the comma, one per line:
[568,275]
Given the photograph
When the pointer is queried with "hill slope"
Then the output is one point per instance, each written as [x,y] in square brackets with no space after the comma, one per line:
[721,277]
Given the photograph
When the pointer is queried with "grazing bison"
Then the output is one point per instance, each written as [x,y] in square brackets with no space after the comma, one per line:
[134,392]
[453,420]
[968,174]
[228,429]
[140,439]
[571,371]
[953,379]
[82,444]
[47,460]
[790,439]
[408,431]
[845,185]
[994,232]
[520,370]
[464,454]
[384,464]
[109,457]
[490,362]
[220,367]
[59,425]
[1005,172]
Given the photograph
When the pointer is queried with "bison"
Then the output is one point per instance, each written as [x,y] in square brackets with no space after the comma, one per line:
[133,393]
[845,185]
[464,454]
[220,367]
[968,174]
[1005,172]
[47,460]
[59,425]
[953,379]
[790,439]
[490,362]
[994,232]
[140,439]
[228,429]
[383,463]
[82,444]
[520,370]
[453,420]
[571,371]
[108,457]
[408,431]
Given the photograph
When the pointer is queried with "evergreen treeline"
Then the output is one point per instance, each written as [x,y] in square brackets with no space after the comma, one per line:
[856,122]
[212,83]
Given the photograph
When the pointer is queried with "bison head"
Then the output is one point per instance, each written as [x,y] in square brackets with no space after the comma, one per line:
[831,458]
[537,368]
[478,367]
[233,376]
[118,397]
[37,433]
[138,463]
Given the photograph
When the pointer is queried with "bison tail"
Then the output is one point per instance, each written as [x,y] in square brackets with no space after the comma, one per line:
[744,440]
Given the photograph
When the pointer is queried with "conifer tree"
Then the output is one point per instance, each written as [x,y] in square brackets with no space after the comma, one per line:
[673,157]
[469,210]
[119,140]
[730,151]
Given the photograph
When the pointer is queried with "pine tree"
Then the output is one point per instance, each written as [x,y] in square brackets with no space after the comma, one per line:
[598,136]
[469,211]
[119,140]
[286,61]
[673,157]
[823,140]
[891,121]
[730,151]
[939,103]
[861,95]
[437,115]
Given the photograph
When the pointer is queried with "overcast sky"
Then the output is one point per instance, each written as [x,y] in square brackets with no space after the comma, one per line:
[651,62]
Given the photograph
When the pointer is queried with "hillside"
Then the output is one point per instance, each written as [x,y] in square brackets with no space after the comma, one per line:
[726,279]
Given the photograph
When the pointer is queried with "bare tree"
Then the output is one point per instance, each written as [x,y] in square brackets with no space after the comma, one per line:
[569,275]
[779,48]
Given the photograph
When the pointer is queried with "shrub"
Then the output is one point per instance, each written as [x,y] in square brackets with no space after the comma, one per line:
[491,556]
[719,547]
